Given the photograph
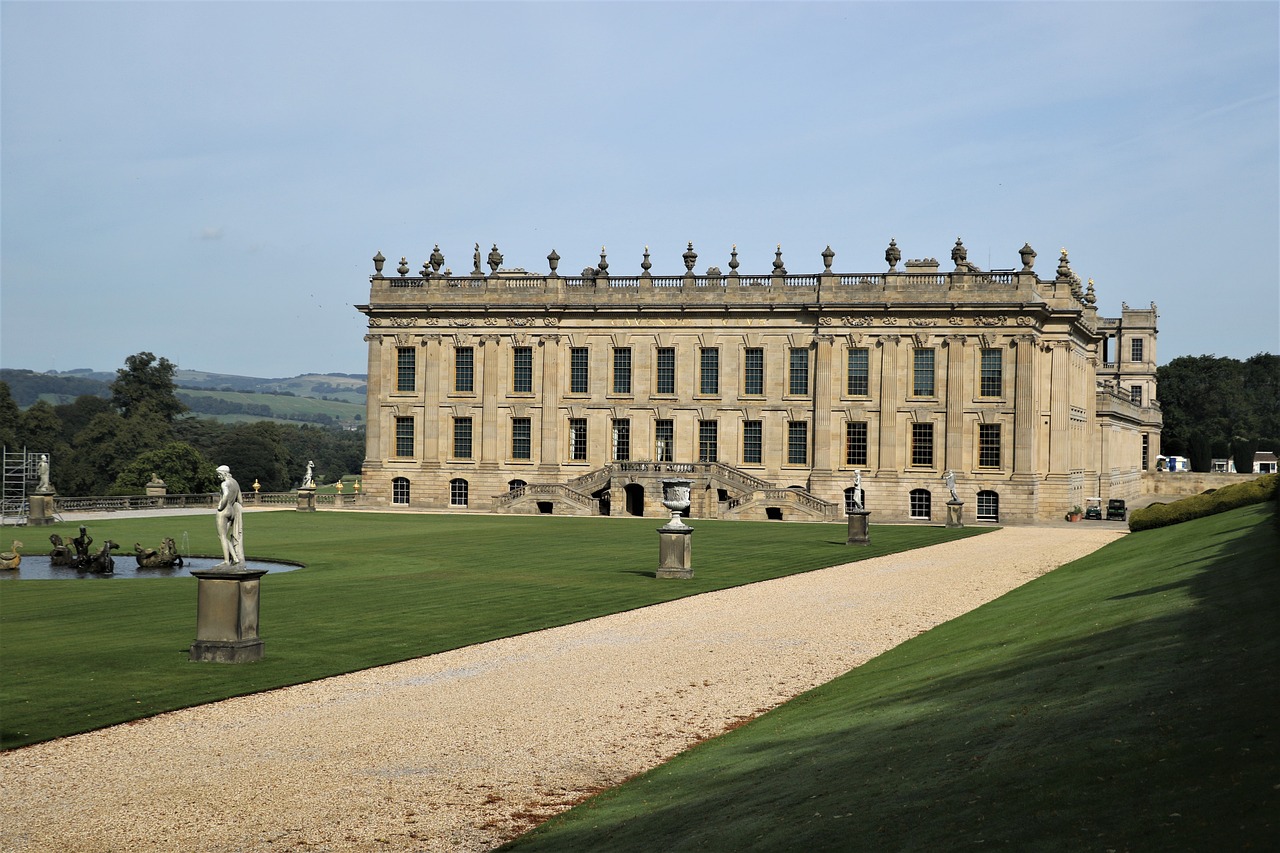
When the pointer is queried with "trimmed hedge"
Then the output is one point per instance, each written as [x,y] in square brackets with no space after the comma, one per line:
[1210,503]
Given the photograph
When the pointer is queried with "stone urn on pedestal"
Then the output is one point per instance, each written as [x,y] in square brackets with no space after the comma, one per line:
[675,537]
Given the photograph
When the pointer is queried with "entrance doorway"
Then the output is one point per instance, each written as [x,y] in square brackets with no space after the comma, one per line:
[634,499]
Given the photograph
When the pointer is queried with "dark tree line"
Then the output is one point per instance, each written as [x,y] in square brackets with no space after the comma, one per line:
[113,445]
[1218,407]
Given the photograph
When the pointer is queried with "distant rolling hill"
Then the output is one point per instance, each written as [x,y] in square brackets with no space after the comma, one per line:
[327,398]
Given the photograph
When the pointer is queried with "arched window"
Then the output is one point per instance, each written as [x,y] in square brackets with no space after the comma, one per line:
[921,504]
[515,485]
[849,505]
[988,506]
[458,492]
[400,491]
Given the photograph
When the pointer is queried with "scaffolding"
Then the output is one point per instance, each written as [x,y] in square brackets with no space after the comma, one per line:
[21,470]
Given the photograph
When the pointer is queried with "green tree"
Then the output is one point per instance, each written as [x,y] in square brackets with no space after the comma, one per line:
[1220,399]
[107,445]
[145,385]
[76,415]
[10,419]
[180,465]
[254,452]
[40,431]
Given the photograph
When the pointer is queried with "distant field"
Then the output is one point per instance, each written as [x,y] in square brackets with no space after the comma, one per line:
[280,406]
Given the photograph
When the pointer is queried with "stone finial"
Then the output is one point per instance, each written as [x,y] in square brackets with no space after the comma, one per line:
[403,269]
[378,261]
[827,257]
[1028,257]
[1064,266]
[604,263]
[646,264]
[892,255]
[778,268]
[1090,298]
[426,270]
[733,260]
[495,258]
[690,257]
[959,255]
[553,260]
[436,259]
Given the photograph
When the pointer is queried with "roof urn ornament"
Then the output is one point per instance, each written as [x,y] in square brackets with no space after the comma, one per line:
[403,269]
[1064,266]
[378,261]
[426,270]
[495,258]
[827,257]
[733,260]
[553,260]
[436,260]
[778,268]
[646,264]
[1090,298]
[603,266]
[690,257]
[1028,257]
[959,255]
[892,255]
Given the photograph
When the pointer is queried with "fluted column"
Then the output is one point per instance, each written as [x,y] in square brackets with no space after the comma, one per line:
[1060,408]
[822,380]
[549,453]
[1024,406]
[492,364]
[957,368]
[373,450]
[889,403]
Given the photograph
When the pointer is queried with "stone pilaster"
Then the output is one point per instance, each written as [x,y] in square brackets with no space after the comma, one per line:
[957,369]
[373,402]
[549,446]
[1024,406]
[493,365]
[822,379]
[889,399]
[1060,408]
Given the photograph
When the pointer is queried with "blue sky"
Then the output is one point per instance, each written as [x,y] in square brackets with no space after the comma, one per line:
[208,181]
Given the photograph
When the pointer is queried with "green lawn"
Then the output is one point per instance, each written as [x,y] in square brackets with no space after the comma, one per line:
[1127,701]
[378,588]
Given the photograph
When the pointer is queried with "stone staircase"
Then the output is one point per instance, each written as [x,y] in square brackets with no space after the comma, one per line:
[538,498]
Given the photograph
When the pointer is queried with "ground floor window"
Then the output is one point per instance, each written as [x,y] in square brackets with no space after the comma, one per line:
[515,485]
[400,491]
[664,439]
[798,443]
[752,441]
[621,440]
[921,504]
[988,506]
[708,441]
[458,492]
[577,439]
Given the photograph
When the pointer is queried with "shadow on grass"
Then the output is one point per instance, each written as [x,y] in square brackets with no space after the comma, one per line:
[1092,709]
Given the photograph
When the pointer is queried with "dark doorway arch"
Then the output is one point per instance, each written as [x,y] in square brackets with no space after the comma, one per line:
[634,499]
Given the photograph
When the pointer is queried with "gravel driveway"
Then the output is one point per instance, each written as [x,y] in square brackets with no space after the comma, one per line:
[463,750]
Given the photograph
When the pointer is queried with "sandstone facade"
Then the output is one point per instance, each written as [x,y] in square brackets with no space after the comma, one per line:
[511,392]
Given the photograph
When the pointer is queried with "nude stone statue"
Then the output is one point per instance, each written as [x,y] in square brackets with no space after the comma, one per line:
[230,520]
[42,469]
[950,477]
[857,489]
[308,479]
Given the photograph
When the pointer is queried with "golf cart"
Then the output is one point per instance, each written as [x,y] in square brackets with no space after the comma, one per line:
[1093,509]
[1116,510]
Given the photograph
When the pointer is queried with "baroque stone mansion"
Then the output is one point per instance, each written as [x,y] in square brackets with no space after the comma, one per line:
[513,392]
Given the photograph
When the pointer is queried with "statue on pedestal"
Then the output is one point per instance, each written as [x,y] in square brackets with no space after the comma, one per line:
[950,477]
[230,520]
[308,479]
[857,489]
[42,470]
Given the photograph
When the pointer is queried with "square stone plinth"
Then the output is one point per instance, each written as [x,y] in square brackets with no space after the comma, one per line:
[953,513]
[227,616]
[859,529]
[306,500]
[675,553]
[40,509]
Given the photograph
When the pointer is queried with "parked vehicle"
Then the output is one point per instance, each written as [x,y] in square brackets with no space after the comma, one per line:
[1116,510]
[1093,509]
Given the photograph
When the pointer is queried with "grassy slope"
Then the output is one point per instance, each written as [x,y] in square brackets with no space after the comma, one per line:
[1127,701]
[282,405]
[78,655]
